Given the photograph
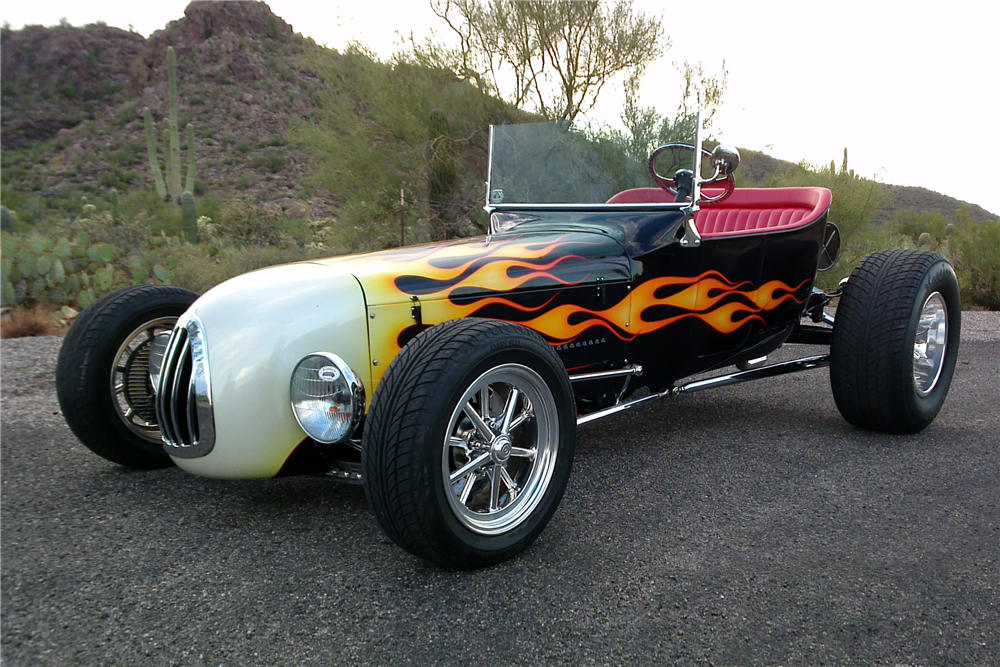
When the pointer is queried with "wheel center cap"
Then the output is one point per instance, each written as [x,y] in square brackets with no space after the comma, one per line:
[500,449]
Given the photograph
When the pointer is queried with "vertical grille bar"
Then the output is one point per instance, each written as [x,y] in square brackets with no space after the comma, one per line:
[183,397]
[164,395]
[177,395]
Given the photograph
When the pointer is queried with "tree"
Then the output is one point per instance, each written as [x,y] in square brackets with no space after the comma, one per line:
[554,56]
[647,129]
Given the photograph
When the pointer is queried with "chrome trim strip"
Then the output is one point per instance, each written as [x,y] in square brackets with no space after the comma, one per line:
[189,415]
[201,384]
[175,391]
[163,398]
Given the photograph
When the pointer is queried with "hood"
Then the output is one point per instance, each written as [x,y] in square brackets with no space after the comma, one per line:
[466,270]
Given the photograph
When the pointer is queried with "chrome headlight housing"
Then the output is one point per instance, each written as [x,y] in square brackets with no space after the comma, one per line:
[328,399]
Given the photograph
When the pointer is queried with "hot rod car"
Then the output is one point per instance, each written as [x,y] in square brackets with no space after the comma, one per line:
[450,379]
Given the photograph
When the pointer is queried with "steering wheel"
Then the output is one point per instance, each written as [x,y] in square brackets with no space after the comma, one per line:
[670,185]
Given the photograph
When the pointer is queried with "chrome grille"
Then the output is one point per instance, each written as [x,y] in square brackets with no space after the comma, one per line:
[183,397]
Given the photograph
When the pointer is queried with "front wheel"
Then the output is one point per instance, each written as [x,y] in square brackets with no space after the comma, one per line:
[895,340]
[103,379]
[469,442]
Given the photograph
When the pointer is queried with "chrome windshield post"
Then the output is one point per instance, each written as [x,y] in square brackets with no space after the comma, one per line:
[692,239]
[489,172]
[488,207]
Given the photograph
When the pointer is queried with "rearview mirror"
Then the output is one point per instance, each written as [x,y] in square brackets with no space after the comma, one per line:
[726,159]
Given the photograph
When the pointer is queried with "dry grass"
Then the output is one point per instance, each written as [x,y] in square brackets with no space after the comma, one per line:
[20,322]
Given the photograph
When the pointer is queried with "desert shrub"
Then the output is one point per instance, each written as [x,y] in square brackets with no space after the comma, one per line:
[864,241]
[127,154]
[244,180]
[243,225]
[210,205]
[977,261]
[21,322]
[913,223]
[116,178]
[197,271]
[973,248]
[271,160]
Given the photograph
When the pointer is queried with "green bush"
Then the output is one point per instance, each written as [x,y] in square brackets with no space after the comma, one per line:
[272,160]
[972,247]
[977,260]
[246,225]
[116,178]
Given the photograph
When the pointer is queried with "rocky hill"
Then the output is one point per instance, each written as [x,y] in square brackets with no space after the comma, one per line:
[73,100]
[72,121]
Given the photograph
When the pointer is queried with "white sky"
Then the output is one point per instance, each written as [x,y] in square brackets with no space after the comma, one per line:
[911,88]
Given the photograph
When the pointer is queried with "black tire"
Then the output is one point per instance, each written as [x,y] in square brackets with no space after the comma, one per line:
[85,380]
[405,458]
[878,322]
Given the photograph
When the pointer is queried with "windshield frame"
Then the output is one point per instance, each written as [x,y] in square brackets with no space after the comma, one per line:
[490,207]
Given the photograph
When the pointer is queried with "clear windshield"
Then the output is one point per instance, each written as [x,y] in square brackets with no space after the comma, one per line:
[560,163]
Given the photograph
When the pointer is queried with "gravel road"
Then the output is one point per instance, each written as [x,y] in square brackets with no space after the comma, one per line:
[745,526]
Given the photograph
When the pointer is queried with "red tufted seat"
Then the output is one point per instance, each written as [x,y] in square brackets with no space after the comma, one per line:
[747,210]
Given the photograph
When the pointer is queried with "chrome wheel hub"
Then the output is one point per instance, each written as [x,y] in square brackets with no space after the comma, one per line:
[930,344]
[500,449]
[131,387]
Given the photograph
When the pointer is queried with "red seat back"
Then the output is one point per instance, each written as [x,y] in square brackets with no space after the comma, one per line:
[746,211]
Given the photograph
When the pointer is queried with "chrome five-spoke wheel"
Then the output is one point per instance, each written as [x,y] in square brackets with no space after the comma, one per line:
[468,446]
[500,449]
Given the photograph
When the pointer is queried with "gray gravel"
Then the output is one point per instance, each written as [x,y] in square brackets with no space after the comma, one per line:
[746,526]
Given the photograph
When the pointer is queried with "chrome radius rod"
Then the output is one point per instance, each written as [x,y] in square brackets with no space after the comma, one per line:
[794,366]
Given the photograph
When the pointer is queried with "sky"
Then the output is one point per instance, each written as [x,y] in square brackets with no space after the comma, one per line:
[910,88]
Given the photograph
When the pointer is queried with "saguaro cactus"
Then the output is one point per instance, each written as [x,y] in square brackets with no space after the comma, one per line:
[154,162]
[6,220]
[189,185]
[116,214]
[189,212]
[171,142]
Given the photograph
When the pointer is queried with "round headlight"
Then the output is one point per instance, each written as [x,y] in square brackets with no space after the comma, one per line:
[328,399]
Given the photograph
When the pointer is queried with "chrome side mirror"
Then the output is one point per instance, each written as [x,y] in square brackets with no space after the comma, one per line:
[725,159]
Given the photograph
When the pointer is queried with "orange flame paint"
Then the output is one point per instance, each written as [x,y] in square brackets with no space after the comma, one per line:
[450,274]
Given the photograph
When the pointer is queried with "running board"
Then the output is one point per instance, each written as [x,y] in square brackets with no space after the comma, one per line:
[794,366]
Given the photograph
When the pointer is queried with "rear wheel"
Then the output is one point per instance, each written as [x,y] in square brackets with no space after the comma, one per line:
[895,341]
[102,377]
[469,442]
